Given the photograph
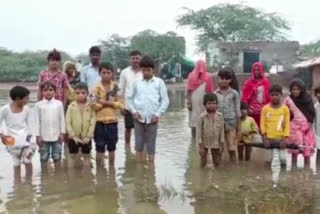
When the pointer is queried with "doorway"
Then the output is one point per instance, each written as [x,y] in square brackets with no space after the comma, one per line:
[248,59]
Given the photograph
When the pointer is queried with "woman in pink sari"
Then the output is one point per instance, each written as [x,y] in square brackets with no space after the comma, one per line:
[256,91]
[199,83]
[302,112]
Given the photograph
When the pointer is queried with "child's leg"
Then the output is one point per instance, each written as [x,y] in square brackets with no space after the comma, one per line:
[73,150]
[44,151]
[17,174]
[307,162]
[111,139]
[204,157]
[216,157]
[240,151]
[275,166]
[29,170]
[248,150]
[139,140]
[56,153]
[318,158]
[231,144]
[193,132]
[86,150]
[294,160]
[100,138]
[151,136]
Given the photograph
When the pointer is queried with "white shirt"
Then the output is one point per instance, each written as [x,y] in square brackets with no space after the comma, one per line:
[18,125]
[127,78]
[90,75]
[49,120]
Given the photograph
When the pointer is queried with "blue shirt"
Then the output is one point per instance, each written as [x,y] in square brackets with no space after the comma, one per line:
[148,98]
[90,75]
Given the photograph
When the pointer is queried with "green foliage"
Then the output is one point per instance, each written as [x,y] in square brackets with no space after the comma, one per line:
[311,49]
[233,22]
[16,67]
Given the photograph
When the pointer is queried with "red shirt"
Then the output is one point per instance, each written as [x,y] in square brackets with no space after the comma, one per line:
[59,79]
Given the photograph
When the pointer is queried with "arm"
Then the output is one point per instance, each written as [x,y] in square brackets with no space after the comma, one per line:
[263,121]
[29,123]
[131,98]
[222,137]
[96,106]
[122,82]
[83,76]
[62,120]
[199,131]
[189,105]
[92,125]
[237,110]
[39,86]
[254,127]
[286,123]
[36,129]
[164,100]
[69,123]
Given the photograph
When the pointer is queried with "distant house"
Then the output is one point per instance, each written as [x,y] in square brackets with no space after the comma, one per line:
[309,71]
[241,55]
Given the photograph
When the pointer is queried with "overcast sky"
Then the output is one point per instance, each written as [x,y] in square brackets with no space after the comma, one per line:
[75,25]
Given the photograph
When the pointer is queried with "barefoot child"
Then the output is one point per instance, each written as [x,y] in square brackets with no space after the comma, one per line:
[210,131]
[302,110]
[17,118]
[108,101]
[49,125]
[81,121]
[147,102]
[275,127]
[317,124]
[229,106]
[249,129]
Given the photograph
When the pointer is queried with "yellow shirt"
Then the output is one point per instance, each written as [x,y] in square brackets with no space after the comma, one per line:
[107,115]
[80,124]
[275,122]
[248,128]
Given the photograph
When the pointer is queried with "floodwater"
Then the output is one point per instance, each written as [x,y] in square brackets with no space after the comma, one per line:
[175,184]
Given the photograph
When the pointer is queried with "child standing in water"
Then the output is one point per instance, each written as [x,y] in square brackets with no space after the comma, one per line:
[249,129]
[302,110]
[229,106]
[210,131]
[317,124]
[275,127]
[17,118]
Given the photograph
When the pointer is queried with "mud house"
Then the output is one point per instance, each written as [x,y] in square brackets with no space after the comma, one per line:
[241,55]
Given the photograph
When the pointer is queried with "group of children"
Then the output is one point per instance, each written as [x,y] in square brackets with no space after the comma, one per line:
[92,115]
[225,124]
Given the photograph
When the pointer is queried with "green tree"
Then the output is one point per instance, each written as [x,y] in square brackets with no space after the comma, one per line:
[233,22]
[311,49]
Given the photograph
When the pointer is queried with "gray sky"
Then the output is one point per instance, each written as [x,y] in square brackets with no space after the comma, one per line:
[75,25]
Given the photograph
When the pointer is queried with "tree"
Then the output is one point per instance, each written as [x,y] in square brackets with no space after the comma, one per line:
[311,49]
[233,22]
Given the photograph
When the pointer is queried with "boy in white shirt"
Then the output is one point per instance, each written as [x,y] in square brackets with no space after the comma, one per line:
[49,126]
[17,118]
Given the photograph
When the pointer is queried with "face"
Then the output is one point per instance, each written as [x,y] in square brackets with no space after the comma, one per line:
[224,82]
[54,64]
[81,95]
[257,72]
[48,93]
[211,106]
[71,72]
[295,91]
[135,61]
[23,101]
[147,73]
[95,58]
[275,98]
[106,74]
[318,96]
[244,112]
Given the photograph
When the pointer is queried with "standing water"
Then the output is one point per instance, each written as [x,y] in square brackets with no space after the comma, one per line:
[175,184]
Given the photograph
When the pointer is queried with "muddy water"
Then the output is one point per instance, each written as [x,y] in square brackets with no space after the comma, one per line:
[175,184]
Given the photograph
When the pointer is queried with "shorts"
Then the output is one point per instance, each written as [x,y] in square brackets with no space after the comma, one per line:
[50,149]
[145,134]
[106,137]
[21,155]
[74,148]
[231,140]
[128,120]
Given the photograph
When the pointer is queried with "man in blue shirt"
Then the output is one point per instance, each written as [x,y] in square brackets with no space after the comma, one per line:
[147,102]
[90,73]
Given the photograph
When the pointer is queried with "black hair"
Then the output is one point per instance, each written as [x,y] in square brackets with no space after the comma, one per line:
[54,55]
[299,83]
[227,72]
[210,98]
[18,92]
[106,65]
[146,62]
[316,91]
[95,50]
[275,88]
[81,86]
[48,84]
[135,53]
[243,106]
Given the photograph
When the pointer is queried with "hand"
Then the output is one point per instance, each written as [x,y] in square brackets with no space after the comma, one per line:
[39,141]
[136,116]
[123,112]
[266,142]
[77,140]
[106,103]
[283,144]
[189,106]
[61,138]
[4,139]
[221,149]
[86,140]
[154,119]
[201,150]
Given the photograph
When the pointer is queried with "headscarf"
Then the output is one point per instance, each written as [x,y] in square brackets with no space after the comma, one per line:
[253,83]
[198,76]
[67,65]
[304,101]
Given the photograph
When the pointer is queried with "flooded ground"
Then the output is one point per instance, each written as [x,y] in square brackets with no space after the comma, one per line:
[175,184]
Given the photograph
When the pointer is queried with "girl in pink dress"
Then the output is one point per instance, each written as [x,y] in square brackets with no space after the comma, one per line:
[302,116]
